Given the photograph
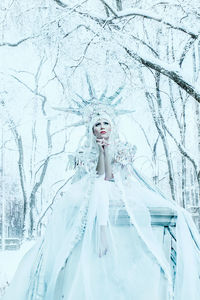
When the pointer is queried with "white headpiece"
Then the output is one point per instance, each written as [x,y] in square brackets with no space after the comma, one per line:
[94,108]
[90,111]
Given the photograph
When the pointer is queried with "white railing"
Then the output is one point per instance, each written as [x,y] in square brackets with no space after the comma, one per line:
[10,243]
[163,221]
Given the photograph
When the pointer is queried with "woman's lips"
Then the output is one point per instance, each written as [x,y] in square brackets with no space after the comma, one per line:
[103,131]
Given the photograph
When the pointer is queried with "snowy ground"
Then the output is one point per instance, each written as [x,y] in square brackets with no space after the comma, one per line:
[9,261]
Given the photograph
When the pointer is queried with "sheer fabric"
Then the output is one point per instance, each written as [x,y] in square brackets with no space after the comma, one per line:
[65,263]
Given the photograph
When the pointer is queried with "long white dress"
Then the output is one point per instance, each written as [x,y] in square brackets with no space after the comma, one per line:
[65,262]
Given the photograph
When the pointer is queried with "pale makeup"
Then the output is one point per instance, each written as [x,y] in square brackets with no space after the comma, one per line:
[102,129]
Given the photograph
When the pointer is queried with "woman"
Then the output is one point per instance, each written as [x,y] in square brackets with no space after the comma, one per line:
[88,253]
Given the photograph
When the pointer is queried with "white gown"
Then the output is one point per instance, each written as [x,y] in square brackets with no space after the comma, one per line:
[65,263]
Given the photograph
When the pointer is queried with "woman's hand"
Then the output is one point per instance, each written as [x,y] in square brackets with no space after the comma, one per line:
[103,144]
[103,247]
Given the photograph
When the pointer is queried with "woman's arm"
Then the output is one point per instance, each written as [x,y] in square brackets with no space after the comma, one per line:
[104,160]
[107,163]
[100,165]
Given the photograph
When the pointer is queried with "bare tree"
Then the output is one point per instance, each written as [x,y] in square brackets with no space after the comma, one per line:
[158,43]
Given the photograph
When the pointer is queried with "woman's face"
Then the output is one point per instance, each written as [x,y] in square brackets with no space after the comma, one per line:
[102,129]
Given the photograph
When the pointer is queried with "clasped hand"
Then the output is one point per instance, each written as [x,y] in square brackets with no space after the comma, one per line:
[103,144]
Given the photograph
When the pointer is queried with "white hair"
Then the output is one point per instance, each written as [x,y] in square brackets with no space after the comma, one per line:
[87,143]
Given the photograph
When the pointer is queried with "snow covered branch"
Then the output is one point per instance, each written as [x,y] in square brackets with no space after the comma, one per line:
[182,150]
[60,3]
[9,44]
[154,17]
[165,69]
[109,8]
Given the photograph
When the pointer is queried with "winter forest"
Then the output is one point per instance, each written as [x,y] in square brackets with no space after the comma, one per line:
[151,48]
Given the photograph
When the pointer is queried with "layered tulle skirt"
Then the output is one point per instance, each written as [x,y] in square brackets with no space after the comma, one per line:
[72,261]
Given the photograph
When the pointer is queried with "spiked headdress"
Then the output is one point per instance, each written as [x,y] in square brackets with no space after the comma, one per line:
[95,107]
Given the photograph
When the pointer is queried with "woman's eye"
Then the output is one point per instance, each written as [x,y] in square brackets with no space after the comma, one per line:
[106,123]
[97,124]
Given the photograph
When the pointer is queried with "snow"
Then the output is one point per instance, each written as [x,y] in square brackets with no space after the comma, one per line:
[151,15]
[9,261]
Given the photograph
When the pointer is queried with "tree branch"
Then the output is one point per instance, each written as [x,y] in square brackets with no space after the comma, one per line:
[142,13]
[170,73]
[187,47]
[110,8]
[60,3]
[182,150]
[17,43]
